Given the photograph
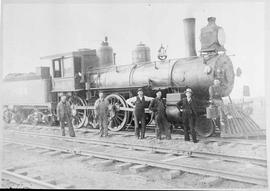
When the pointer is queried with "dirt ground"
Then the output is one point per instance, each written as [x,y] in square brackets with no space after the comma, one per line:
[90,174]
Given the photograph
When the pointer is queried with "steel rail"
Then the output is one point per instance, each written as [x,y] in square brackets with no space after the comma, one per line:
[209,139]
[17,178]
[241,177]
[198,154]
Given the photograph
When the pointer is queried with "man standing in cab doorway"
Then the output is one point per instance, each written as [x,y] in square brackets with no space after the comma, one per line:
[139,103]
[188,107]
[158,107]
[64,115]
[101,114]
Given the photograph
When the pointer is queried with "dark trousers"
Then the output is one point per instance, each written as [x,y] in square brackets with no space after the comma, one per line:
[189,125]
[162,125]
[70,127]
[139,129]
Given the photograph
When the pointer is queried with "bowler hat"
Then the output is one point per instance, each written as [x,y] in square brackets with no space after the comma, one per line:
[140,89]
[188,90]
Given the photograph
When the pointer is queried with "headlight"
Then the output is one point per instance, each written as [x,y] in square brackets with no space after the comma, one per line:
[221,36]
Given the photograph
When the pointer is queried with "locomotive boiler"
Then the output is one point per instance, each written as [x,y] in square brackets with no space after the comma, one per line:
[81,74]
[173,76]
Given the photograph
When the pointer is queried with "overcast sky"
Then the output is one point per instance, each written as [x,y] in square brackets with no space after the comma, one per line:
[31,31]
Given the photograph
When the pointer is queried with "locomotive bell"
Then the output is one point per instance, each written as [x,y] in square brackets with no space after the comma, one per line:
[105,54]
[141,54]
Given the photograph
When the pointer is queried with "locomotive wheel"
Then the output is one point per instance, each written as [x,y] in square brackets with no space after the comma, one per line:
[7,116]
[79,115]
[18,117]
[148,119]
[121,117]
[93,123]
[35,118]
[205,127]
[50,120]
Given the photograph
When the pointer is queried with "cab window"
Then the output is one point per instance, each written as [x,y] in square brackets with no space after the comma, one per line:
[68,67]
[57,68]
[77,65]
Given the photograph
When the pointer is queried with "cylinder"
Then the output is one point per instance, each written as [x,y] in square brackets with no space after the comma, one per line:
[189,32]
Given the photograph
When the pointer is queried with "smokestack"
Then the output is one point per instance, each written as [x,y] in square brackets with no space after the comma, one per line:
[189,32]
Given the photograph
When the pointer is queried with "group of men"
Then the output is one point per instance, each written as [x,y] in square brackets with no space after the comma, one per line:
[187,105]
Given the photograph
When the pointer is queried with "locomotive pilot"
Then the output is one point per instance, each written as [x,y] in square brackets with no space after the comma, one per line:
[64,115]
[188,105]
[215,96]
[101,114]
[158,107]
[139,103]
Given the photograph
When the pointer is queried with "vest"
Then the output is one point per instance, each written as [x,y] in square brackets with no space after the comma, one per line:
[216,92]
[139,106]
[102,108]
[160,105]
[189,107]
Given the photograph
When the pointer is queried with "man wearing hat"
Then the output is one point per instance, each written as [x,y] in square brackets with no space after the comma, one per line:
[158,107]
[139,103]
[64,115]
[188,105]
[101,114]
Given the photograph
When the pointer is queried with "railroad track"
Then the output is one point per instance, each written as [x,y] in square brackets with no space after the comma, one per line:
[179,162]
[154,149]
[217,140]
[28,182]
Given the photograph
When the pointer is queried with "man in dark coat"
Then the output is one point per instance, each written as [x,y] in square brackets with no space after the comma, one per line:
[188,106]
[139,103]
[158,107]
[64,115]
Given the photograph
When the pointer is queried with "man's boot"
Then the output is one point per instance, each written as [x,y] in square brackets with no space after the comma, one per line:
[105,131]
[168,133]
[158,135]
[72,133]
[63,131]
[100,130]
[70,129]
[142,133]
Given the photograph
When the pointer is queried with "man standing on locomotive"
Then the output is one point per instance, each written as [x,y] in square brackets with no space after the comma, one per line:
[139,103]
[101,114]
[188,105]
[64,115]
[215,96]
[158,107]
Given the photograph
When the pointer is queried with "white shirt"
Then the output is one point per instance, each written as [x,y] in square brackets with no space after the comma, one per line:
[132,100]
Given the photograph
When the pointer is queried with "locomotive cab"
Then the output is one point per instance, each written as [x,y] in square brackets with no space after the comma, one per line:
[68,70]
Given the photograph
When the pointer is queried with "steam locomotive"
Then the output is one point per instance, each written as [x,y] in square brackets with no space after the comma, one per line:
[81,74]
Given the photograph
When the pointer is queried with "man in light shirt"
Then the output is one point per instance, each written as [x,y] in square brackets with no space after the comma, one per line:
[215,97]
[102,113]
[139,103]
[64,115]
